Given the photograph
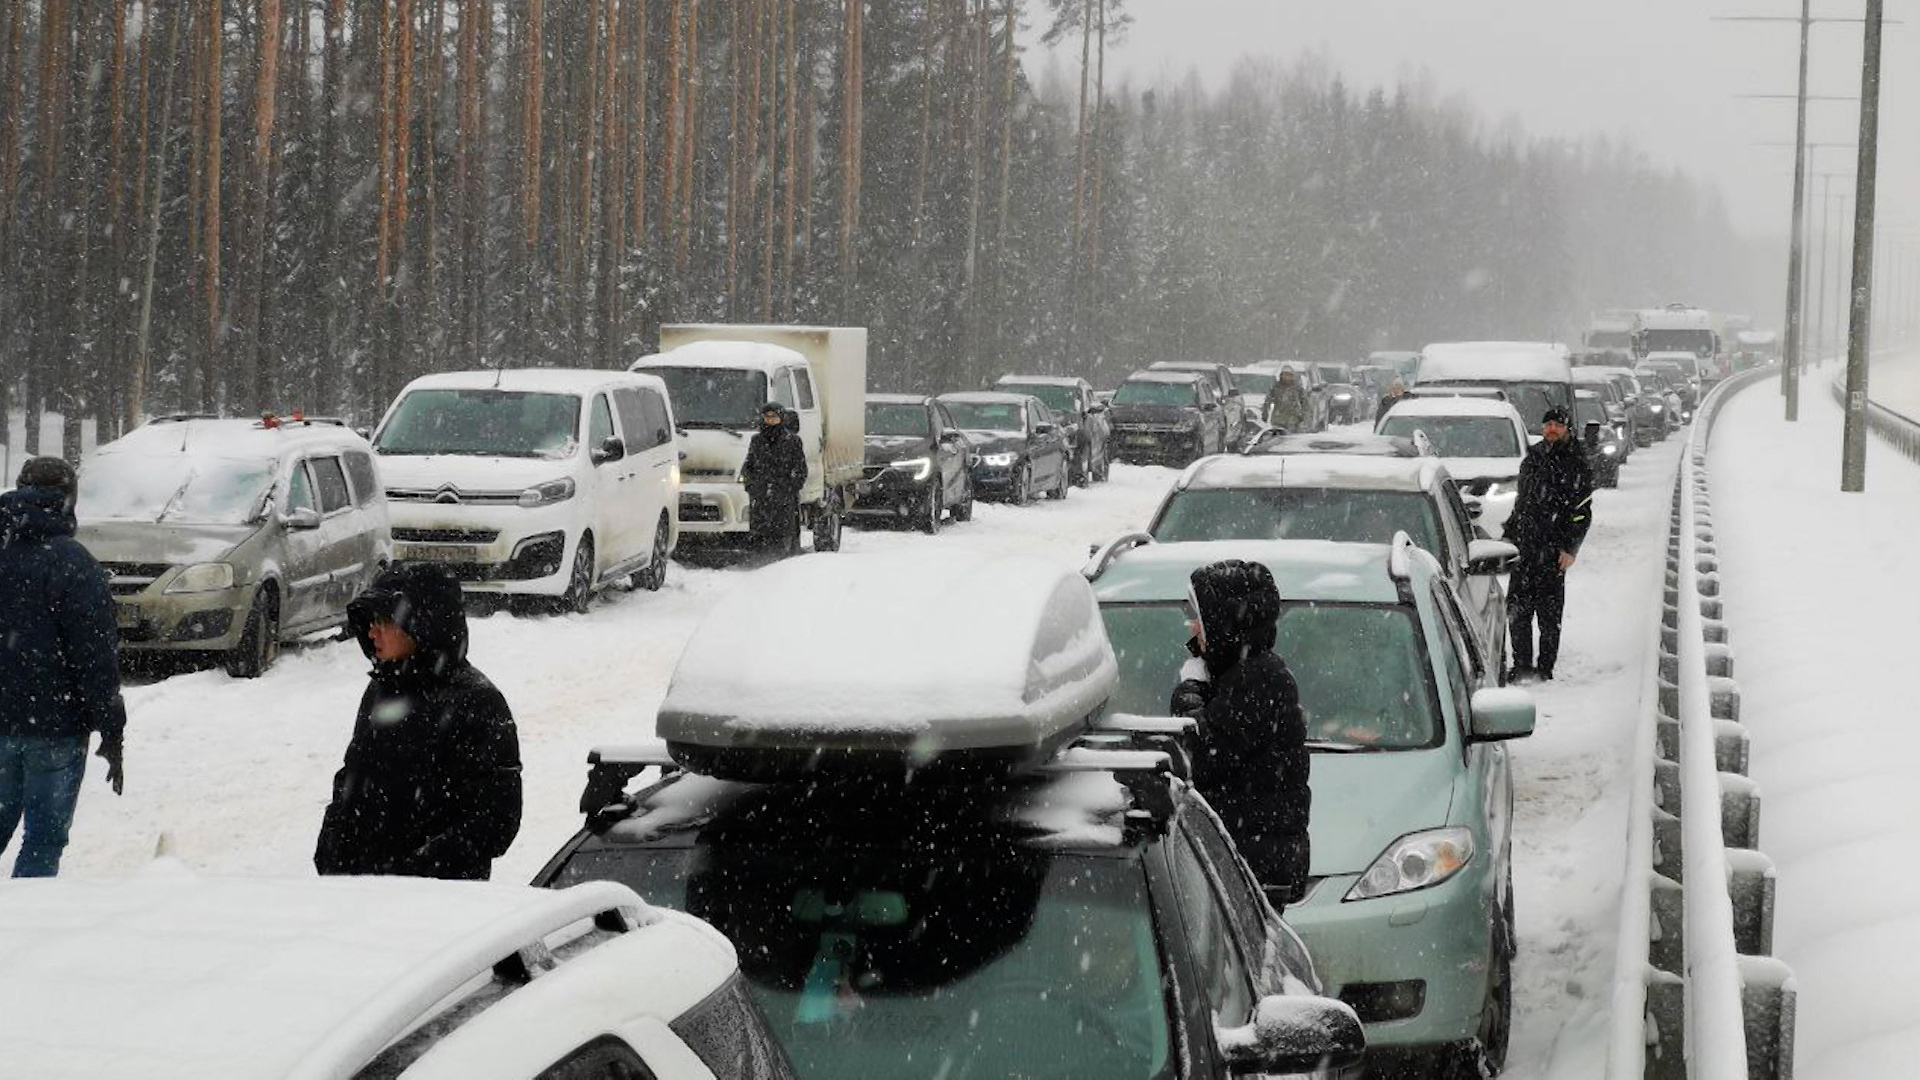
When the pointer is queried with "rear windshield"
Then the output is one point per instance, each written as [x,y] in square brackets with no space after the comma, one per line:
[490,423]
[931,963]
[1698,342]
[1156,393]
[1362,672]
[1064,400]
[1533,399]
[1459,436]
[714,397]
[988,416]
[894,419]
[1332,373]
[1589,411]
[1344,514]
[1253,382]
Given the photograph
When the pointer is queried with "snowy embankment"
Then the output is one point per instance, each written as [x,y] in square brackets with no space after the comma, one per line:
[1895,384]
[1820,595]
[235,774]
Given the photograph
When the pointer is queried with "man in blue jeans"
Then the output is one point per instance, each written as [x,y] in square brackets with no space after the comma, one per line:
[59,665]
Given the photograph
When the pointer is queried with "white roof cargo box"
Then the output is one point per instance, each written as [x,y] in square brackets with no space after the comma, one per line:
[829,663]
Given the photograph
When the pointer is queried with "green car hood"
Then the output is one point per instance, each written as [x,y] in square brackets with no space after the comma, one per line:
[1363,802]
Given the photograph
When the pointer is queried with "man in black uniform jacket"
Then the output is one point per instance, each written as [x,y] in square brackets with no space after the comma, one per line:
[1551,515]
[774,473]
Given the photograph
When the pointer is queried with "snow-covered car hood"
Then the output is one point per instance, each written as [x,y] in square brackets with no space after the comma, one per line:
[1465,470]
[996,442]
[882,449]
[712,452]
[1362,802]
[465,472]
[151,542]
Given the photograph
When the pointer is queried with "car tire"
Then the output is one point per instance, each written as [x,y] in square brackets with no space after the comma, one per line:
[1065,484]
[827,524]
[1022,493]
[1106,464]
[963,510]
[1083,469]
[579,595]
[260,641]
[654,576]
[931,512]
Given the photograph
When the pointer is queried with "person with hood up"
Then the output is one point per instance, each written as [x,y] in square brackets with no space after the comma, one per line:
[1288,407]
[1396,393]
[1251,761]
[774,473]
[1551,515]
[59,666]
[431,782]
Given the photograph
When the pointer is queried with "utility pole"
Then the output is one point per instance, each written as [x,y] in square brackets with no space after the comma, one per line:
[1853,447]
[1790,362]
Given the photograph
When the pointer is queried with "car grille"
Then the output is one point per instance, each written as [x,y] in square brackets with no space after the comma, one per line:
[708,474]
[125,579]
[693,508]
[464,498]
[446,536]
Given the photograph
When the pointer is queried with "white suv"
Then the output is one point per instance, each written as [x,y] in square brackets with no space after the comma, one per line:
[1482,443]
[172,975]
[541,483]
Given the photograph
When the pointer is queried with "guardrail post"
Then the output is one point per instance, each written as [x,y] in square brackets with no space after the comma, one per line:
[1768,1000]
[1732,746]
[1666,1027]
[1739,811]
[1750,880]
[1667,949]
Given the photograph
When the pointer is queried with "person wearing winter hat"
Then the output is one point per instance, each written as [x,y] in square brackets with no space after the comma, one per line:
[59,666]
[1551,515]
[431,782]
[1251,761]
[774,473]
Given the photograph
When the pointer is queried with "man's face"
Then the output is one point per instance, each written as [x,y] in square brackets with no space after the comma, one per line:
[390,643]
[769,419]
[1553,431]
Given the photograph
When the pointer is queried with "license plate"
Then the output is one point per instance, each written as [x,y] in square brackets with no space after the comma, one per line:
[454,553]
[1141,440]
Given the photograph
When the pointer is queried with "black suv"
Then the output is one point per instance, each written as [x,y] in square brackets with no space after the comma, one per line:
[1089,919]
[919,465]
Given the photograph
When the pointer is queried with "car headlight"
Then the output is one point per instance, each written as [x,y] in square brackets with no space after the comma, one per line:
[1657,408]
[1343,397]
[547,494]
[203,577]
[1609,449]
[1415,861]
[920,467]
[999,461]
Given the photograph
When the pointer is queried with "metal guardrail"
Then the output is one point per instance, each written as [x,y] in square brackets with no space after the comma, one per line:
[1897,428]
[1695,994]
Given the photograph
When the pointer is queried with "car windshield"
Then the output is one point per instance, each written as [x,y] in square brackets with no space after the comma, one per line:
[1064,400]
[714,397]
[989,416]
[889,418]
[1459,436]
[925,961]
[1361,669]
[1533,399]
[1343,514]
[1332,373]
[177,488]
[1609,339]
[488,423]
[1698,342]
[1147,392]
[1589,411]
[1253,382]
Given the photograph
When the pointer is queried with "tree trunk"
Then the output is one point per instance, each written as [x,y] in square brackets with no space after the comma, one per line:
[156,202]
[250,377]
[210,214]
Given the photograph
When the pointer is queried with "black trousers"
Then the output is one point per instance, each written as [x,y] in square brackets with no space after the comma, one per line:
[1536,591]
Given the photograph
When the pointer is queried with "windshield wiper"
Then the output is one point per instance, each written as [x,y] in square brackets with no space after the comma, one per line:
[1321,746]
[713,425]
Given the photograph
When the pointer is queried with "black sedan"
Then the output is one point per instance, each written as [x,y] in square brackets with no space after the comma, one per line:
[1605,446]
[918,464]
[1019,449]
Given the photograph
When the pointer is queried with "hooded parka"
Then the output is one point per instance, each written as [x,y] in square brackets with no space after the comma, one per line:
[1251,762]
[431,782]
[774,472]
[59,646]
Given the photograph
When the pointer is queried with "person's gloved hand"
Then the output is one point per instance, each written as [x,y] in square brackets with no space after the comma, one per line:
[113,752]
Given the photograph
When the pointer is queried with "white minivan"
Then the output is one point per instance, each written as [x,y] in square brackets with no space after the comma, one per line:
[534,483]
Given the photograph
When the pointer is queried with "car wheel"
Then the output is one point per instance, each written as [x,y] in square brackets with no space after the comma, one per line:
[963,510]
[827,525]
[1022,494]
[1106,464]
[654,577]
[930,511]
[579,594]
[1083,468]
[1064,485]
[260,641]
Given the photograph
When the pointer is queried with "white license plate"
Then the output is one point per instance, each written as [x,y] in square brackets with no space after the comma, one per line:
[1141,440]
[457,553]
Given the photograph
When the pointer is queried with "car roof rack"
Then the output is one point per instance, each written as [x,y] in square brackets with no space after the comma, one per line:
[1169,735]
[612,767]
[181,418]
[1098,557]
[1146,774]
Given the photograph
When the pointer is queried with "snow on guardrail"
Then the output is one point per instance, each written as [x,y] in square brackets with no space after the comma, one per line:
[1695,993]
[1901,430]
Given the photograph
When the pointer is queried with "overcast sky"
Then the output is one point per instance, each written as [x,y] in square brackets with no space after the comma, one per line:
[1659,72]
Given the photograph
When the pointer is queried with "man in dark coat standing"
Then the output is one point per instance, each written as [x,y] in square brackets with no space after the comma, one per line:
[59,666]
[431,783]
[1551,515]
[774,473]
[1251,762]
[1396,393]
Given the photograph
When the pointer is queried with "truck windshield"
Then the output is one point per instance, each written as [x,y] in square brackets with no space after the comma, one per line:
[482,423]
[888,418]
[714,397]
[905,961]
[1064,400]
[1459,436]
[1697,342]
[178,488]
[1361,669]
[1144,392]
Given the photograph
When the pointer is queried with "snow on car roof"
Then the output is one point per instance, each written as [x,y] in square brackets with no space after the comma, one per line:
[723,354]
[986,397]
[1515,361]
[526,380]
[1040,380]
[229,439]
[1166,376]
[1756,337]
[1455,406]
[827,652]
[1671,356]
[1302,569]
[175,975]
[1359,472]
[897,399]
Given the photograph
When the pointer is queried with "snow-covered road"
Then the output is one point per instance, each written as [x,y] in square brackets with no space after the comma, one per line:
[234,775]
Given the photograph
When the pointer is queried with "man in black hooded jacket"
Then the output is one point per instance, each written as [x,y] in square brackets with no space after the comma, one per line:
[1251,763]
[431,782]
[774,473]
[1551,515]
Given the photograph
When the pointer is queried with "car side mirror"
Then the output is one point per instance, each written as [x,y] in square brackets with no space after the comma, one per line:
[1097,407]
[1593,431]
[611,450]
[1210,406]
[1294,1034]
[1045,429]
[1486,557]
[1474,507]
[1501,713]
[364,433]
[301,518]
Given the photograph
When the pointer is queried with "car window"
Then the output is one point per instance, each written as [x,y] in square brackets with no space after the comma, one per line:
[1216,953]
[1459,436]
[602,1059]
[300,490]
[804,382]
[1454,526]
[657,414]
[780,388]
[729,1034]
[331,482]
[1454,659]
[628,402]
[1346,515]
[1460,513]
[1037,414]
[600,428]
[1243,898]
[366,481]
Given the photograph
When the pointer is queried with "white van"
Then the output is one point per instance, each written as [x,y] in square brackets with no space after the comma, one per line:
[540,483]
[1535,376]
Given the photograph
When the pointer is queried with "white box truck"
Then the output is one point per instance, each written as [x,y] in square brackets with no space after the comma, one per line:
[719,375]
